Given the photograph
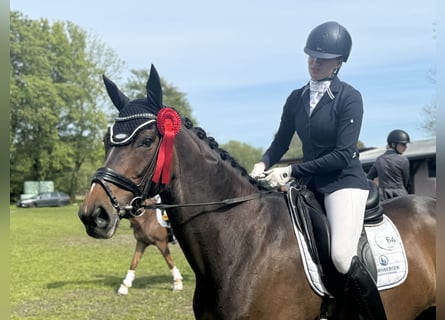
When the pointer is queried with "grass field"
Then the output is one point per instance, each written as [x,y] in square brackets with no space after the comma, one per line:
[58,272]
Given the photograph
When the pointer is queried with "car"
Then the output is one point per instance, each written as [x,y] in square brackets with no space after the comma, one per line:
[46,199]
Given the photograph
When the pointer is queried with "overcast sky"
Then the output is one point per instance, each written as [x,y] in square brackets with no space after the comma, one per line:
[237,61]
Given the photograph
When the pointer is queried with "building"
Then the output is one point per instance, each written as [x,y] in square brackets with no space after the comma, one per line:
[421,155]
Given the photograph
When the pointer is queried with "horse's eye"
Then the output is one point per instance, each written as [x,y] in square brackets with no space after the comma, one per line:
[147,142]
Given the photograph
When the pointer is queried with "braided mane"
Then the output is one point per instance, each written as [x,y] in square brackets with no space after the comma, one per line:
[224,154]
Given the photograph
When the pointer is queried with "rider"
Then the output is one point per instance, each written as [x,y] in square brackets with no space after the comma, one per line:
[391,168]
[327,115]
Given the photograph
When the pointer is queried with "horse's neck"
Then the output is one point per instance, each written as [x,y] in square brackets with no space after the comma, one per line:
[202,176]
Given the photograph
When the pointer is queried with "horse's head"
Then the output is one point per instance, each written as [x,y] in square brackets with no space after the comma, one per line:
[139,147]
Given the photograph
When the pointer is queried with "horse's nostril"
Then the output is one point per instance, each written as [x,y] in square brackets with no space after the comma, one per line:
[101,218]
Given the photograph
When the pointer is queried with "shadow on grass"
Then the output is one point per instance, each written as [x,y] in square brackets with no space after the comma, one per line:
[114,282]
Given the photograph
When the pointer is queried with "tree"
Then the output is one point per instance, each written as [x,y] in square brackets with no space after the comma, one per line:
[295,148]
[429,122]
[245,154]
[56,120]
[430,110]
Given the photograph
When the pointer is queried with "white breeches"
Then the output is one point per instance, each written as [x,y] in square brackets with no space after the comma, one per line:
[345,209]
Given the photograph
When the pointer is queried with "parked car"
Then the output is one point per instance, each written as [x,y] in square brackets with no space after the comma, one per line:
[46,199]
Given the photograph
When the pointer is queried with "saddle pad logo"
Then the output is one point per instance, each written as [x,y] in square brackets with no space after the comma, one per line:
[383,260]
[387,242]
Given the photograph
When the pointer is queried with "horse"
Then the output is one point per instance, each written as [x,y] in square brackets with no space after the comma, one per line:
[237,237]
[148,231]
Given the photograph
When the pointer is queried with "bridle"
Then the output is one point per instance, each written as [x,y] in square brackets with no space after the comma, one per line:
[135,207]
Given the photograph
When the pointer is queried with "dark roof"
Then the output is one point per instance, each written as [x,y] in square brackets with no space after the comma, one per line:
[419,149]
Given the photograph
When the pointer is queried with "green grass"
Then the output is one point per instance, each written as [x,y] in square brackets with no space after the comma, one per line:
[58,272]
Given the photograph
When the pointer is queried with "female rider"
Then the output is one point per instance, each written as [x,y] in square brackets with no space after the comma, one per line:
[327,115]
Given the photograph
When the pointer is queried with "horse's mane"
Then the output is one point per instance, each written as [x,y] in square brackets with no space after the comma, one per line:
[224,154]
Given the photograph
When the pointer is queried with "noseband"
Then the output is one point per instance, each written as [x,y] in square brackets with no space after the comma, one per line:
[140,191]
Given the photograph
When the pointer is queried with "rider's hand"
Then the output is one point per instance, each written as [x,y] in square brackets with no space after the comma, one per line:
[258,170]
[278,176]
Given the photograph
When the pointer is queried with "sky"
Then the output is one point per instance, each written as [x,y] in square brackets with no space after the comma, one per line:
[237,61]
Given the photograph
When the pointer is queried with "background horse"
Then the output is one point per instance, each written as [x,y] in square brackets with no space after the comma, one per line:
[238,239]
[148,231]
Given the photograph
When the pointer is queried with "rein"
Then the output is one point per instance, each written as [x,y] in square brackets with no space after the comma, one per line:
[222,202]
[169,125]
[136,207]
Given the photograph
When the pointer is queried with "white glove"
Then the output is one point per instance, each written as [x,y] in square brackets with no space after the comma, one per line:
[258,170]
[278,176]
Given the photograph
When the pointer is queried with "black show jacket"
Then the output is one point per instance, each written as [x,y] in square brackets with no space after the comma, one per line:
[329,137]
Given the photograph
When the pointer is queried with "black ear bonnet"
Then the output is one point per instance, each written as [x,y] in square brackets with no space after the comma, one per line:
[132,118]
[136,114]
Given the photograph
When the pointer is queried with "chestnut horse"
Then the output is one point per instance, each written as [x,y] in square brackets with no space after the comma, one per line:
[238,239]
[148,231]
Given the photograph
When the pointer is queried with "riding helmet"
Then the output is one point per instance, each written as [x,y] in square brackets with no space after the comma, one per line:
[329,40]
[397,136]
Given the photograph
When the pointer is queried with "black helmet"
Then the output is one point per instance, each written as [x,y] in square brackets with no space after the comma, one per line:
[397,136]
[329,40]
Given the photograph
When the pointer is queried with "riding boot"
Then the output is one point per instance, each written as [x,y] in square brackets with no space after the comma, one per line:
[364,291]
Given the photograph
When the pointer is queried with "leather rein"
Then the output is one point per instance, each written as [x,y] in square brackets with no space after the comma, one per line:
[225,202]
[136,207]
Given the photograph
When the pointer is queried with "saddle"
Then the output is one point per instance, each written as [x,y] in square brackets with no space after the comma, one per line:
[311,221]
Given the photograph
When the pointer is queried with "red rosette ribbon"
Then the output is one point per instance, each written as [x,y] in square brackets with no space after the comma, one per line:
[169,124]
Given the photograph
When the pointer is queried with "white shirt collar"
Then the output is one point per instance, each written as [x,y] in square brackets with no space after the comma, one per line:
[319,86]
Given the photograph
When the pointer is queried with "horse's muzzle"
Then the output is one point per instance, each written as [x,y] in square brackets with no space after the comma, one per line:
[98,222]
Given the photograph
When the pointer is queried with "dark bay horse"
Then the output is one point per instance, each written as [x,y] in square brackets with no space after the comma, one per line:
[238,239]
[148,231]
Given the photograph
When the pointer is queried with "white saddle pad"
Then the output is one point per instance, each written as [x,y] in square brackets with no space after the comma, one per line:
[159,214]
[387,249]
[161,220]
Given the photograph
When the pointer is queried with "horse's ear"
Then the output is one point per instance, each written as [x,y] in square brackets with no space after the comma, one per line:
[117,97]
[154,90]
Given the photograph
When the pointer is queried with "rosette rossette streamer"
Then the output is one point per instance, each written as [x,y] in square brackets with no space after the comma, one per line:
[169,124]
